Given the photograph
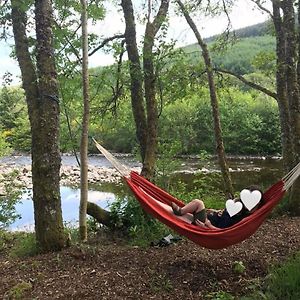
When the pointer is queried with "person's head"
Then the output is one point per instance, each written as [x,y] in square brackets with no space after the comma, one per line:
[244,210]
[252,188]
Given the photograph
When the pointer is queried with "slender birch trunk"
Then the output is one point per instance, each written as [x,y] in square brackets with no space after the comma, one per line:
[214,101]
[85,128]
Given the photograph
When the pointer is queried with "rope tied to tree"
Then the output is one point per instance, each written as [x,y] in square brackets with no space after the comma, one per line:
[122,169]
[52,97]
[291,177]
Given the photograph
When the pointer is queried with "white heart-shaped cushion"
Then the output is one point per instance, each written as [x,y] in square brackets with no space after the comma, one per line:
[250,199]
[233,207]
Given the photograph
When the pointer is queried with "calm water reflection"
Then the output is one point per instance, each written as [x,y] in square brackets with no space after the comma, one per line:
[70,206]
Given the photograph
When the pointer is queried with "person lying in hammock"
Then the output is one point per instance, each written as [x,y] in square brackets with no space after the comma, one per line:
[216,219]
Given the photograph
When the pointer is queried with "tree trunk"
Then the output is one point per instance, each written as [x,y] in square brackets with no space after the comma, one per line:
[46,158]
[150,88]
[295,192]
[85,126]
[102,216]
[292,76]
[281,86]
[288,91]
[146,127]
[136,83]
[292,59]
[298,42]
[43,107]
[28,72]
[214,101]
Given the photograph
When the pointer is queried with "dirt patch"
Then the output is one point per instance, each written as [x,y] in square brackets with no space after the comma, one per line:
[107,270]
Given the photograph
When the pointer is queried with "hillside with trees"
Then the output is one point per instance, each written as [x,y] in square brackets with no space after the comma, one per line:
[244,57]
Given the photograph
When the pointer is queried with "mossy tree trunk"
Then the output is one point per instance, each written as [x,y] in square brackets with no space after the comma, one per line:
[281,88]
[136,77]
[288,89]
[41,90]
[146,120]
[151,31]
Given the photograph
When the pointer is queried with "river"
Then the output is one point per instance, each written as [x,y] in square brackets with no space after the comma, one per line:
[244,171]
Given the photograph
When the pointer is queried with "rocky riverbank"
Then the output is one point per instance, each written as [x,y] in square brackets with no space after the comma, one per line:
[70,175]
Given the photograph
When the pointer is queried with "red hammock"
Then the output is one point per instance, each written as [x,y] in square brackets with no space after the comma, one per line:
[149,196]
[157,203]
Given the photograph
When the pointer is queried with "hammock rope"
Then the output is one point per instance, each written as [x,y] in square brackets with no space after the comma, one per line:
[291,177]
[122,169]
[157,203]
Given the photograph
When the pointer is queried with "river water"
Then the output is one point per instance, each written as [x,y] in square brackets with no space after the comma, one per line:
[244,171]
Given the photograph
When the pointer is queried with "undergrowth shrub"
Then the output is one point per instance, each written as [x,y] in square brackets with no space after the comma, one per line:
[284,281]
[6,240]
[25,245]
[140,227]
[203,187]
[11,196]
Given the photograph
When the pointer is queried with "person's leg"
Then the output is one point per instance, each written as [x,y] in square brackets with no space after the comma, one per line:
[194,206]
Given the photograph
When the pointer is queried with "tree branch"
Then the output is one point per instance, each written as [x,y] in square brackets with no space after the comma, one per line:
[249,83]
[261,7]
[161,15]
[105,41]
[68,40]
[101,215]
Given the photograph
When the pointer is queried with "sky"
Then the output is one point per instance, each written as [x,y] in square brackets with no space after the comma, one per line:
[244,14]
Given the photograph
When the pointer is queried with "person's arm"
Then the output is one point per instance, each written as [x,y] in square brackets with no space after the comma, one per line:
[218,211]
[209,225]
[211,210]
[206,224]
[199,223]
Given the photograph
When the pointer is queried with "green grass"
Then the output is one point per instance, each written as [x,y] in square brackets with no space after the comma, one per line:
[19,290]
[284,281]
[24,245]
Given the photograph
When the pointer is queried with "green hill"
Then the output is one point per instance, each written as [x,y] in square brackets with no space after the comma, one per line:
[239,56]
[259,29]
[247,43]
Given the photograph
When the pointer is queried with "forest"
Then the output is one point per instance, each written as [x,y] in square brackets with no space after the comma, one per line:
[231,95]
[113,122]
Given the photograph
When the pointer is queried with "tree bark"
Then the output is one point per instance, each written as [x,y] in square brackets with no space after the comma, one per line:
[136,83]
[102,216]
[85,128]
[292,76]
[282,89]
[287,83]
[146,122]
[45,135]
[41,90]
[150,88]
[27,67]
[214,101]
